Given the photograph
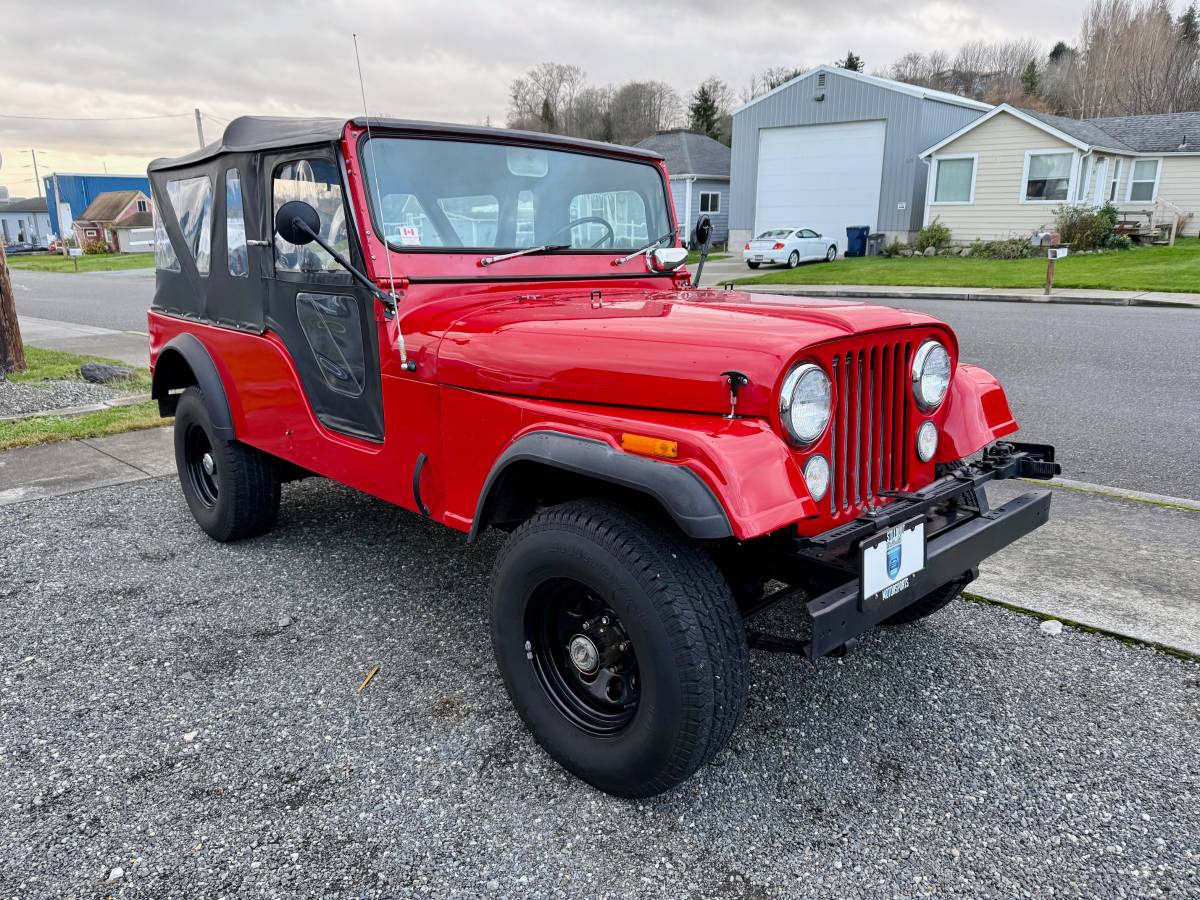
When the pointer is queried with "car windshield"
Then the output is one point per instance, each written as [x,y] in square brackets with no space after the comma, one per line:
[470,195]
[777,233]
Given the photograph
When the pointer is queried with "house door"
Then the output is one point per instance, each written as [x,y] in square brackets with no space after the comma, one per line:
[323,317]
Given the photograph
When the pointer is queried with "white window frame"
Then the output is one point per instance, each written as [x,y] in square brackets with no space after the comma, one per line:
[1087,172]
[937,161]
[1112,190]
[1157,177]
[710,211]
[1073,178]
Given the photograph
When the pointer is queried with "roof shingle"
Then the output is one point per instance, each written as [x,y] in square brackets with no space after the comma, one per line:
[689,153]
[1160,133]
[107,206]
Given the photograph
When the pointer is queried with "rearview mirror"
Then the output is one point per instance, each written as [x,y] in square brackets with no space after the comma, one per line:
[703,233]
[666,259]
[297,223]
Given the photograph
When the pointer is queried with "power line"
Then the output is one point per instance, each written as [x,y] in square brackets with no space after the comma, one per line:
[94,118]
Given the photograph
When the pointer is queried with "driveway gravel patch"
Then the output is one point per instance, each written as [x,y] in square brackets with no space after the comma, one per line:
[18,398]
[183,718]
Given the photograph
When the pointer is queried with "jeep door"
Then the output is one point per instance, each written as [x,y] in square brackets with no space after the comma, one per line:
[326,320]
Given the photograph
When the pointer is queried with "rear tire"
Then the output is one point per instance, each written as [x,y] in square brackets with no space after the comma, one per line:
[794,259]
[231,489]
[752,265]
[932,602]
[663,686]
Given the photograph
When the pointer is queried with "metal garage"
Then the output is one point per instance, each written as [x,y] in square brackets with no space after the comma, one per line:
[833,148]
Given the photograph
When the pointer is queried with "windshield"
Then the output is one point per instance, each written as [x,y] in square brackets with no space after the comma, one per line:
[461,195]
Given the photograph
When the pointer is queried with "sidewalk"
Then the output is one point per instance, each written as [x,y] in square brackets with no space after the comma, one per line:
[1115,563]
[87,340]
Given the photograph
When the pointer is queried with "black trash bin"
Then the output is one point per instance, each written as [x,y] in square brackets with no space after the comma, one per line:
[856,240]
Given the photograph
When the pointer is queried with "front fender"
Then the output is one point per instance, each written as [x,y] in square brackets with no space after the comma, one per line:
[977,414]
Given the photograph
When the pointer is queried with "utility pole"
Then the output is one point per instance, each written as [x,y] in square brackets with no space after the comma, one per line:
[199,127]
[12,353]
[36,176]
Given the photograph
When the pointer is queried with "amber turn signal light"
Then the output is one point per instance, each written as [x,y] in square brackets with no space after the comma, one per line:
[650,446]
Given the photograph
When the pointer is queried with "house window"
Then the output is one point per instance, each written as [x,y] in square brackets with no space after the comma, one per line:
[1085,174]
[1143,183]
[710,202]
[235,226]
[954,180]
[142,206]
[1048,176]
[1116,179]
[90,232]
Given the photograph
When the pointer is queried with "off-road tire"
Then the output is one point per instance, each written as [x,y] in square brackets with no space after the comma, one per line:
[752,265]
[929,604]
[679,615]
[247,481]
[794,259]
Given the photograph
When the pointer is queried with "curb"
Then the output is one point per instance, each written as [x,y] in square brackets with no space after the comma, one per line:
[71,411]
[1166,649]
[902,294]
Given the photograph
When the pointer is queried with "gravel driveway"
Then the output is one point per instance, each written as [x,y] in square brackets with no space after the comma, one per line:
[187,713]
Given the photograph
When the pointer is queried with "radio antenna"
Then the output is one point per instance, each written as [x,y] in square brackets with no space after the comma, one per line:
[387,250]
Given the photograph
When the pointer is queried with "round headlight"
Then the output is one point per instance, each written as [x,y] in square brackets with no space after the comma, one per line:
[930,375]
[816,476]
[805,403]
[927,441]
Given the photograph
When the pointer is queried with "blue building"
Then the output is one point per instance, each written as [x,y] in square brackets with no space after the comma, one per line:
[699,168]
[68,194]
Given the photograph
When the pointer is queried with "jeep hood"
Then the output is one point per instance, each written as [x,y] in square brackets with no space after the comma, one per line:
[660,350]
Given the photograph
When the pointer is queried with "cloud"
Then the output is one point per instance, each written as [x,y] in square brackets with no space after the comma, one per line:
[422,59]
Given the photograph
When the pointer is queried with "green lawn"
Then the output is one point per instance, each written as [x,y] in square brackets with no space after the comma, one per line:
[693,257]
[1140,269]
[107,262]
[59,366]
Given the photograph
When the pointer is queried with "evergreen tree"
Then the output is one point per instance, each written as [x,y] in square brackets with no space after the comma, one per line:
[1189,26]
[1061,52]
[704,109]
[1029,79]
[548,122]
[852,62]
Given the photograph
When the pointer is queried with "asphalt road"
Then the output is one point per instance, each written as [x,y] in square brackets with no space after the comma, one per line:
[182,718]
[1116,389]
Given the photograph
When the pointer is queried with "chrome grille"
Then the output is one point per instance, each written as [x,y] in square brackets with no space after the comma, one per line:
[870,421]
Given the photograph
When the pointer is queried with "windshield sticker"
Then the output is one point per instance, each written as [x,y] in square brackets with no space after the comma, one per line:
[410,236]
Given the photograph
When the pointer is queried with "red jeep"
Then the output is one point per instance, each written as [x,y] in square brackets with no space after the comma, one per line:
[495,329]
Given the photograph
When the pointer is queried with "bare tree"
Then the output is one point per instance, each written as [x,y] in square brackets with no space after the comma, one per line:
[768,80]
[544,97]
[640,108]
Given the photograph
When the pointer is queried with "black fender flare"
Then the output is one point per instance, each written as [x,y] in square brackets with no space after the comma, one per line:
[680,491]
[197,358]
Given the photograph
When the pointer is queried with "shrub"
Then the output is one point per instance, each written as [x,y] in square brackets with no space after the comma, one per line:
[895,248]
[1010,248]
[1087,228]
[935,235]
[95,247]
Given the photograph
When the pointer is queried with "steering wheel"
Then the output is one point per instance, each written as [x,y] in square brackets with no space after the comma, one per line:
[608,239]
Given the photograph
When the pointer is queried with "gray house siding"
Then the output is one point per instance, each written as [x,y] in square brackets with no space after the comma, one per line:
[909,122]
[720,220]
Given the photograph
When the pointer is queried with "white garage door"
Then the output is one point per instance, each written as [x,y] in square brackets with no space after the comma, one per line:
[824,177]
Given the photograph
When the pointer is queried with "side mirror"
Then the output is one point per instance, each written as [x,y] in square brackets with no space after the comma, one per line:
[297,223]
[703,233]
[666,259]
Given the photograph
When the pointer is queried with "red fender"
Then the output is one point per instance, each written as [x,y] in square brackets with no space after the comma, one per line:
[976,414]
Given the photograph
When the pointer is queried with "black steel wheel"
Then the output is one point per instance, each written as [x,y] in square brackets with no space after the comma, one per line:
[583,656]
[620,645]
[232,489]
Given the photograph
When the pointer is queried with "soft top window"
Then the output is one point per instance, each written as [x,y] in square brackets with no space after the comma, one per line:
[442,194]
[191,199]
[316,182]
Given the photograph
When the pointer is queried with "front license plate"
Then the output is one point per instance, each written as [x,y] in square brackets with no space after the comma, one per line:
[891,561]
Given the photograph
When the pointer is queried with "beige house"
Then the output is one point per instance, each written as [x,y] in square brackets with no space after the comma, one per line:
[1006,173]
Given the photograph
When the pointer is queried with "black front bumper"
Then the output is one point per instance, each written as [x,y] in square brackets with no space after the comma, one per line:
[963,530]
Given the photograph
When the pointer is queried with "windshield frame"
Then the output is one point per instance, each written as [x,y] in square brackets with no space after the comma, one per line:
[376,224]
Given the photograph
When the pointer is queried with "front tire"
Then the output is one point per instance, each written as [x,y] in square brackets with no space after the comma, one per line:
[231,489]
[620,645]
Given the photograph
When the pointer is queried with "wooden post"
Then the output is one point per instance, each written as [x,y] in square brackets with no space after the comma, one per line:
[1049,271]
[12,352]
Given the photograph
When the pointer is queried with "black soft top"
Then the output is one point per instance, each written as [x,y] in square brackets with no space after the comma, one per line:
[247,134]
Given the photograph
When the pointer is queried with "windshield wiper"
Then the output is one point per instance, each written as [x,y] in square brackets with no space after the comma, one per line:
[488,260]
[646,249]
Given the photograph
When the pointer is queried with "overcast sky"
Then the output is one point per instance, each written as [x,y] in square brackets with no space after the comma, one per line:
[445,60]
